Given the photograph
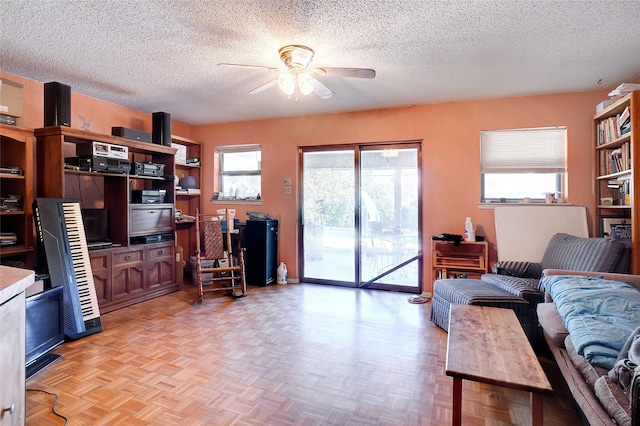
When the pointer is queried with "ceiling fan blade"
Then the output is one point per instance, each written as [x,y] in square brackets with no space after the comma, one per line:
[321,90]
[264,87]
[346,72]
[250,66]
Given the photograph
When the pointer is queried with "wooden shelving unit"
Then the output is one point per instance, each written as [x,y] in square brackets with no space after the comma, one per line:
[466,260]
[130,272]
[17,150]
[617,179]
[188,203]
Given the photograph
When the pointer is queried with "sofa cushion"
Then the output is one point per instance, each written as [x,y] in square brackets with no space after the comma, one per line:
[551,323]
[518,269]
[526,288]
[613,400]
[583,254]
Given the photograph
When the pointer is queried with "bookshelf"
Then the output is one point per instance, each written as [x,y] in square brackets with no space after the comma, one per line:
[616,139]
[187,201]
[16,183]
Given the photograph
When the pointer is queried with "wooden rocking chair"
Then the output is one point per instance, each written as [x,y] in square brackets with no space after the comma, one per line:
[217,269]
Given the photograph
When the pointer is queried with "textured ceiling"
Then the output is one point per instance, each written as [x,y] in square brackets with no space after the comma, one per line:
[154,55]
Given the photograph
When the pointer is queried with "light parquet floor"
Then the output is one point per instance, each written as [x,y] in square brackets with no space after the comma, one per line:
[295,354]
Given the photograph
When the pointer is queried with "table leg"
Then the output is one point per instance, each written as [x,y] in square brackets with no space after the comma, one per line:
[536,409]
[457,402]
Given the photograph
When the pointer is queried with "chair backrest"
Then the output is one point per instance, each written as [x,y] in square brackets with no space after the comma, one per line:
[212,237]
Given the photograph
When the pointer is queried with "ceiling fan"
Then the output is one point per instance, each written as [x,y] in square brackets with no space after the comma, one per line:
[297,74]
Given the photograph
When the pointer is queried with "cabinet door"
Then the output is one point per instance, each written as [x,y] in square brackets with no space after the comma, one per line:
[127,278]
[160,262]
[101,268]
[147,219]
[12,360]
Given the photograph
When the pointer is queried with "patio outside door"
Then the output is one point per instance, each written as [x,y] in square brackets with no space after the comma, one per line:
[360,216]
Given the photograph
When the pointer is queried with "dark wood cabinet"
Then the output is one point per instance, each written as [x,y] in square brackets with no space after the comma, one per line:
[127,277]
[160,266]
[101,268]
[129,272]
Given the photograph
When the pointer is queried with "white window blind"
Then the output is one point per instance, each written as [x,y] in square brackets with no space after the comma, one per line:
[536,150]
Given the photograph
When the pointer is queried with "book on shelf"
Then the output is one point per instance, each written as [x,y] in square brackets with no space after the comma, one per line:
[612,128]
[625,116]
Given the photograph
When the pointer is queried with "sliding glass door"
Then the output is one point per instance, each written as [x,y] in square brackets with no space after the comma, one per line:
[360,216]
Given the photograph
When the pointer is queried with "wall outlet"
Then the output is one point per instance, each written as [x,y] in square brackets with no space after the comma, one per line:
[287,181]
[287,190]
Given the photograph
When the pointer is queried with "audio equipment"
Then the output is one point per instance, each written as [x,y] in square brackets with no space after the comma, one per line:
[148,169]
[148,196]
[134,134]
[103,149]
[149,239]
[57,104]
[60,231]
[98,163]
[161,128]
[11,170]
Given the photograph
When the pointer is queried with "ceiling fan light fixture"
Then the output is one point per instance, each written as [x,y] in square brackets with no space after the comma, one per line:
[287,83]
[305,83]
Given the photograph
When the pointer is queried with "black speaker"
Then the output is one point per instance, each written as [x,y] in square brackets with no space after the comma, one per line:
[161,128]
[57,104]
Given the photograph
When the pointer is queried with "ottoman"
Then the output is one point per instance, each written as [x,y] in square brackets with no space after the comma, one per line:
[474,292]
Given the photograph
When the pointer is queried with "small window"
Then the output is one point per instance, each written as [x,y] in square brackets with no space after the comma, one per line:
[522,163]
[240,171]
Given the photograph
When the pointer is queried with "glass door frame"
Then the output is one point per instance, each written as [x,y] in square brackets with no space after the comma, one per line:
[358,283]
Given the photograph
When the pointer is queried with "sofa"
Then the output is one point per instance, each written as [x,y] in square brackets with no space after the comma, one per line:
[515,282]
[591,322]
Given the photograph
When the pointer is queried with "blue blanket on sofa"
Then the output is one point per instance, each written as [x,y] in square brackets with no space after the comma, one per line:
[599,314]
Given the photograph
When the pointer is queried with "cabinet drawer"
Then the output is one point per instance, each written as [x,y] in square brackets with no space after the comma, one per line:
[131,256]
[152,219]
[159,251]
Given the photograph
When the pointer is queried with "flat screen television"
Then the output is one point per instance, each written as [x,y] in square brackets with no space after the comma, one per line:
[44,329]
[96,224]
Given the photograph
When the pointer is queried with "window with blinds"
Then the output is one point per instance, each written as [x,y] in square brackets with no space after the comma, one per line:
[522,163]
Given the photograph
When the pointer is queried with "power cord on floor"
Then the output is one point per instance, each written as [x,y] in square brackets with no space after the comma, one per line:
[53,406]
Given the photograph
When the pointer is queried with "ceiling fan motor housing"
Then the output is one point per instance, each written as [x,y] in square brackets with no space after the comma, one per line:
[296,57]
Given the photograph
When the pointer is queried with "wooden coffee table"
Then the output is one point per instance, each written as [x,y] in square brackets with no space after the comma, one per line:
[488,345]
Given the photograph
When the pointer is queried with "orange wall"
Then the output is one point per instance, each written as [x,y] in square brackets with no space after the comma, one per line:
[102,115]
[450,134]
[451,149]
